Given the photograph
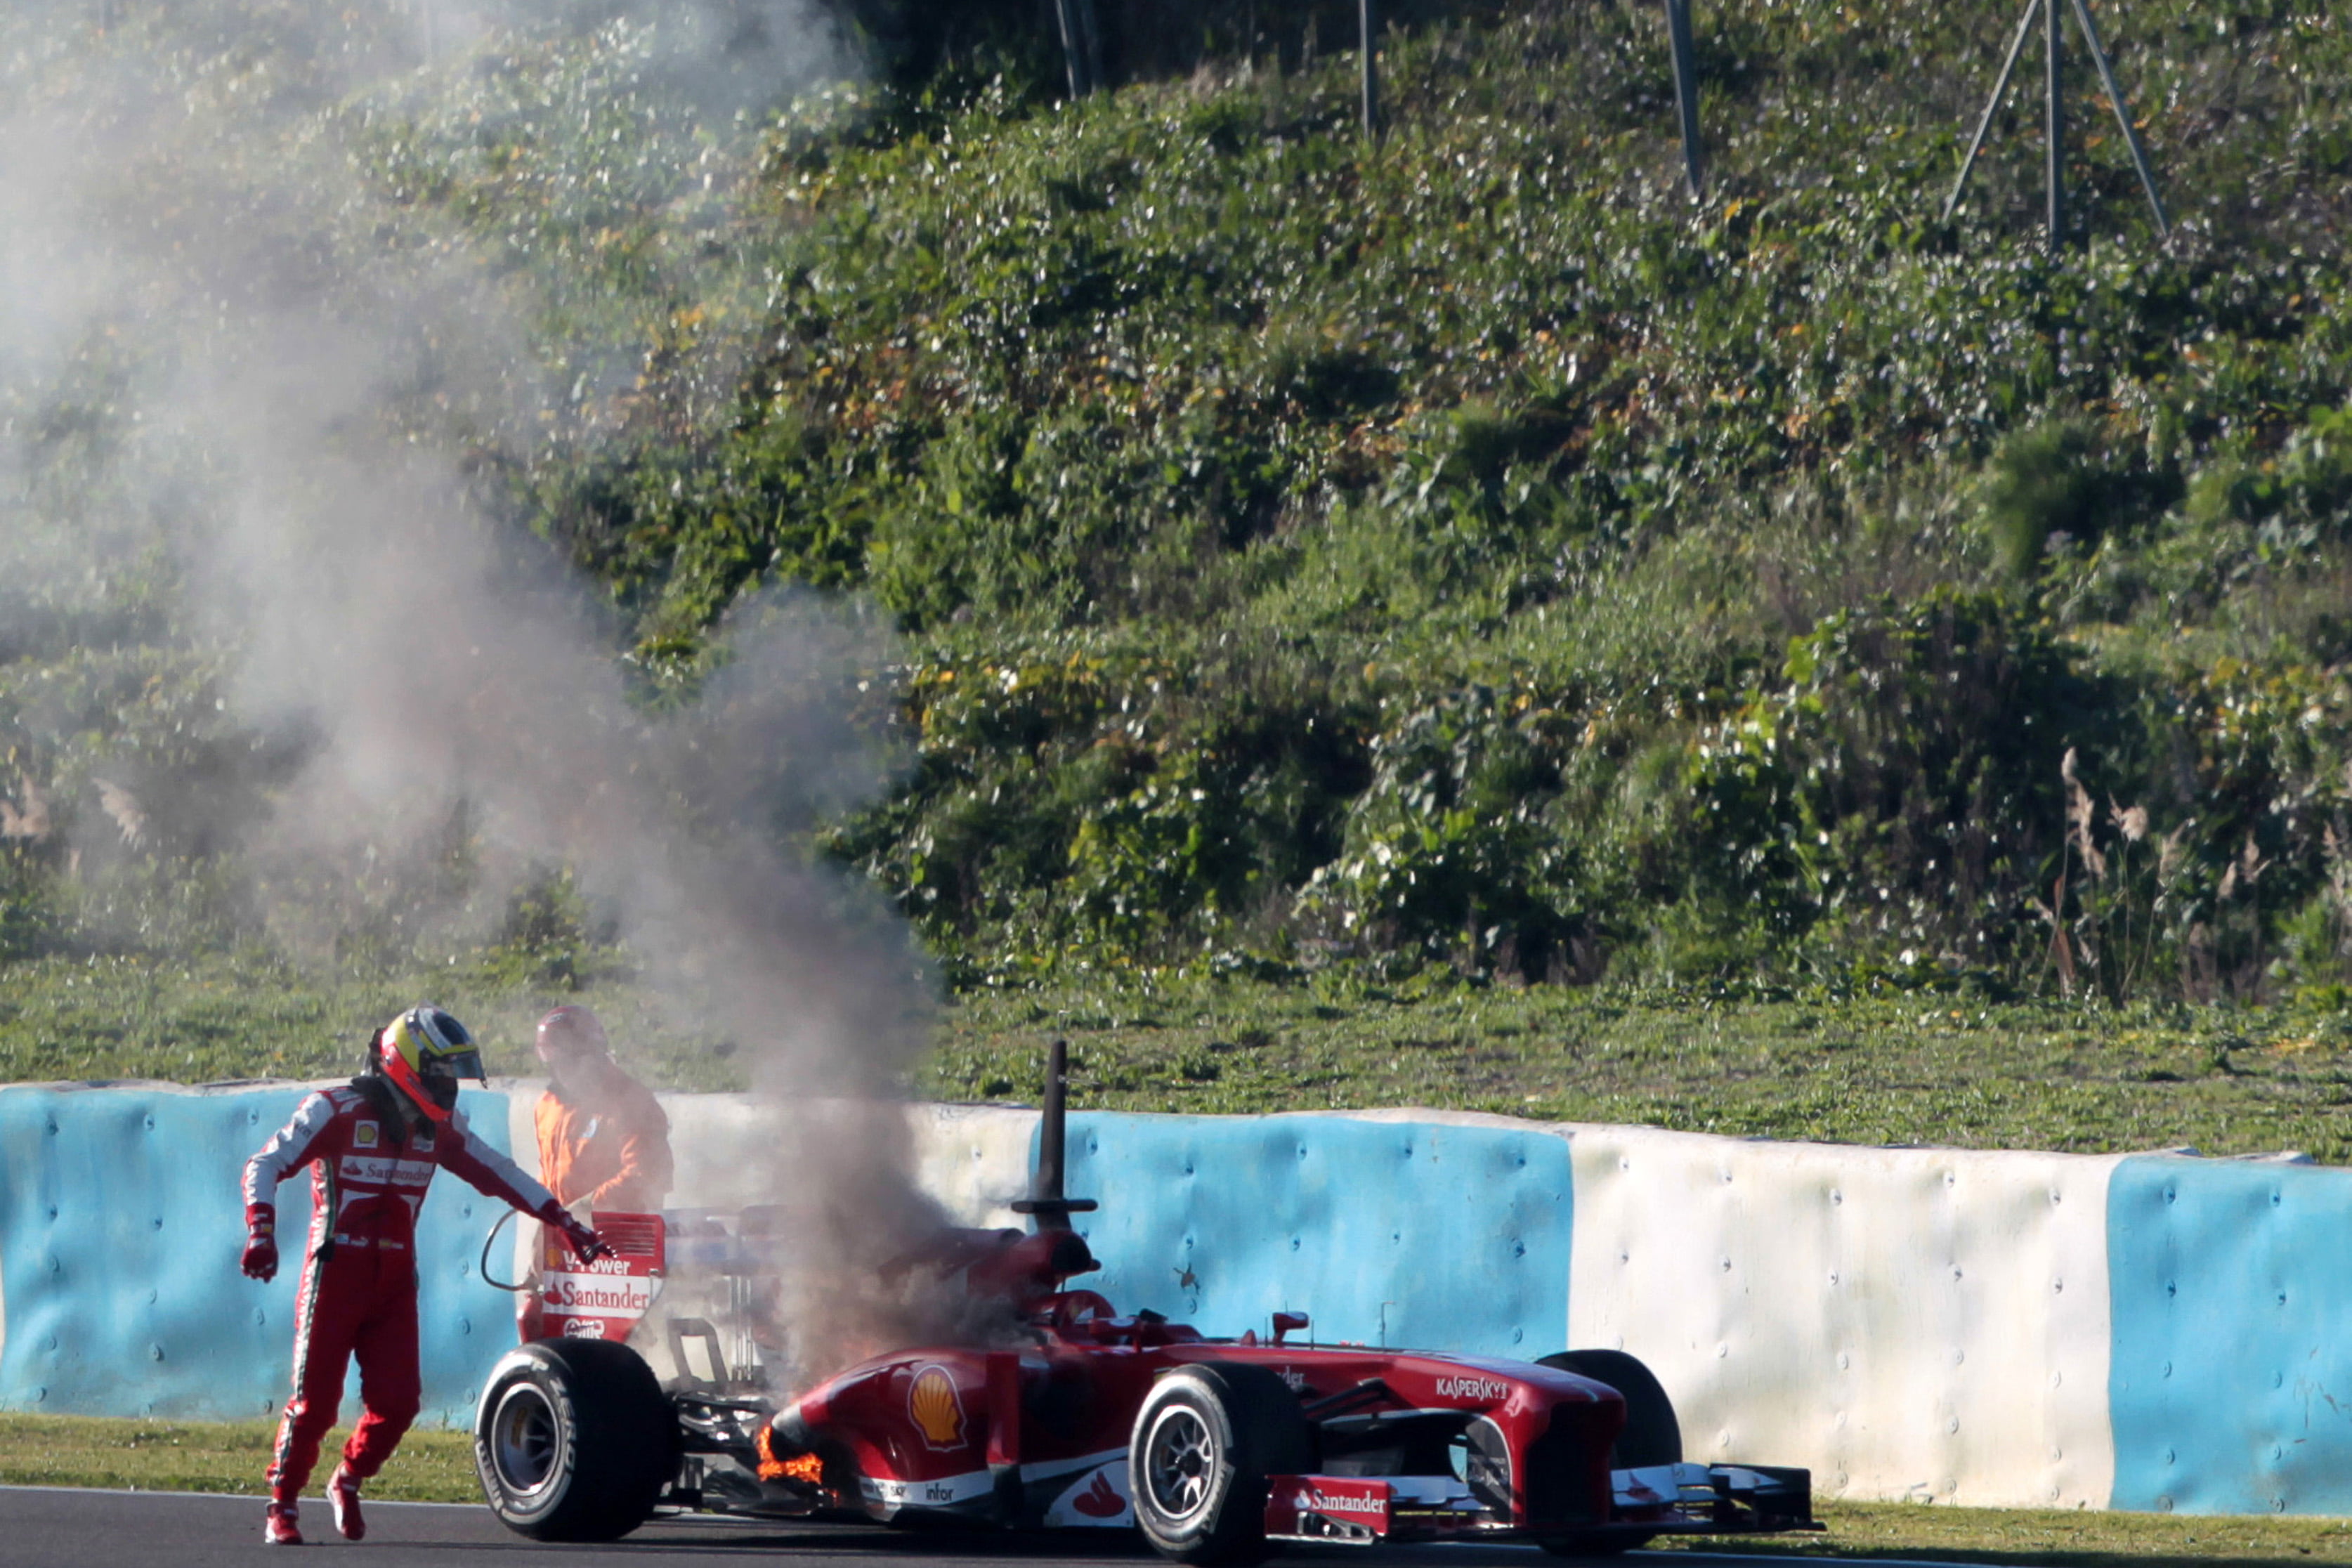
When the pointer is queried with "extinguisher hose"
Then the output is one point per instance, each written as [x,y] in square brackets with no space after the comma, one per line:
[489,1242]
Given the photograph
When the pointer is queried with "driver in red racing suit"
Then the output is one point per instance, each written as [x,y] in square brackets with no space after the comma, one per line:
[374,1147]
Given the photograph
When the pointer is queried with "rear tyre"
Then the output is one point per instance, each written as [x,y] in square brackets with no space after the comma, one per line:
[575,1439]
[1205,1442]
[1652,1435]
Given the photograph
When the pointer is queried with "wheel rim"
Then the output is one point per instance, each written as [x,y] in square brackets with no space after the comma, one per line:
[1179,1461]
[522,1438]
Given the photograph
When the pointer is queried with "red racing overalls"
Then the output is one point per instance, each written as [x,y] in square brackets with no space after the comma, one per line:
[358,1294]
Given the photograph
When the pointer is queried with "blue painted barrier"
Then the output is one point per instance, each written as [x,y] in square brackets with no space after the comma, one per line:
[2229,1388]
[120,1226]
[1395,1232]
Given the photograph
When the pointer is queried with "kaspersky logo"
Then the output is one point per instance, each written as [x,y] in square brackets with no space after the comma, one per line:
[935,1407]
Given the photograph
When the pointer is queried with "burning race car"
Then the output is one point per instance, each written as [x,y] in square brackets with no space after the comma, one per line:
[1085,1418]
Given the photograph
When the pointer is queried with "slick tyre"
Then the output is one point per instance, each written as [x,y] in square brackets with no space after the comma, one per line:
[1205,1442]
[575,1439]
[1652,1435]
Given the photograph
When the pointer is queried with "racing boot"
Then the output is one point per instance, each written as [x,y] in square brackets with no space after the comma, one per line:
[279,1527]
[343,1497]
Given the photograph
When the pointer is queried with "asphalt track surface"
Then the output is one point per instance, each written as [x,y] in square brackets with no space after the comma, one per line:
[65,1527]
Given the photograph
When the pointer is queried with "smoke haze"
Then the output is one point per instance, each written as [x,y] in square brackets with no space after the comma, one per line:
[256,397]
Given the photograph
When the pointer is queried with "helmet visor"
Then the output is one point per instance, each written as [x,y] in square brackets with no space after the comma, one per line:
[459,1064]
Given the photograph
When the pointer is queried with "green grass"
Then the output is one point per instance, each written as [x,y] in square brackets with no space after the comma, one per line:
[2080,1539]
[1931,1065]
[209,1018]
[210,1457]
[1920,1067]
[438,1466]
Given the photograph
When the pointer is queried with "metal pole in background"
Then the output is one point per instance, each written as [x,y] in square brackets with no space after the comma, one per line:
[1992,105]
[1078,53]
[2123,116]
[1367,22]
[1678,35]
[1090,40]
[2054,91]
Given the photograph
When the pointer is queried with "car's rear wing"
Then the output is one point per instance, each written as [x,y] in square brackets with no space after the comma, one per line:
[604,1299]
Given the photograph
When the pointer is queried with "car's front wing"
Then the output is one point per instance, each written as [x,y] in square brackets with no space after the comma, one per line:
[1656,1500]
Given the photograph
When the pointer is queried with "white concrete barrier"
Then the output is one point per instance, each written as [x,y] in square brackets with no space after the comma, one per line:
[1924,1323]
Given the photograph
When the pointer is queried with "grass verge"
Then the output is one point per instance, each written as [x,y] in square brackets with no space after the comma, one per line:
[1894,1067]
[1897,1067]
[438,1466]
[211,1456]
[2060,1539]
[222,1016]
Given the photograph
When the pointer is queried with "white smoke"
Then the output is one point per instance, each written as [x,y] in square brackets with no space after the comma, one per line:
[295,383]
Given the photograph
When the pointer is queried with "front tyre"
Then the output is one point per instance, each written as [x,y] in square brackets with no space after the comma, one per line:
[575,1439]
[1652,1435]
[1204,1443]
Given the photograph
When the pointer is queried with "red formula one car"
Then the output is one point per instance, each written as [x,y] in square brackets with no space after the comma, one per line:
[1086,1418]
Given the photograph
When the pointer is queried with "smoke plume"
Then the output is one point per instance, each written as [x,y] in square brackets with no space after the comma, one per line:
[259,400]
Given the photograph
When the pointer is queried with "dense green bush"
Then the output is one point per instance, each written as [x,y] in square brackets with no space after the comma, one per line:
[1898,787]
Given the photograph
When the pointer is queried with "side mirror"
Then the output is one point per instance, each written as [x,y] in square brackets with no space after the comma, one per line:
[1283,1322]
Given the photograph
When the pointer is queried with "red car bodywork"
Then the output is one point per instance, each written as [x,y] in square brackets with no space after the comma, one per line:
[1410,1445]
[923,1433]
[1065,1412]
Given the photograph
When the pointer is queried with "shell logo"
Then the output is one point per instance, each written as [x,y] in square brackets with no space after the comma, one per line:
[935,1407]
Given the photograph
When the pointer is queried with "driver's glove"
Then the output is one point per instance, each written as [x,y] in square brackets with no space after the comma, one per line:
[260,1259]
[585,1243]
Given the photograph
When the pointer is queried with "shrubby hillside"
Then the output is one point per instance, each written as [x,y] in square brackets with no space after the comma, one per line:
[1464,550]
[1471,548]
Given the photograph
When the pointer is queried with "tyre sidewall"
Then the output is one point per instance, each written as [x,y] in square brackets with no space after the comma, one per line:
[533,1511]
[616,1440]
[1191,1390]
